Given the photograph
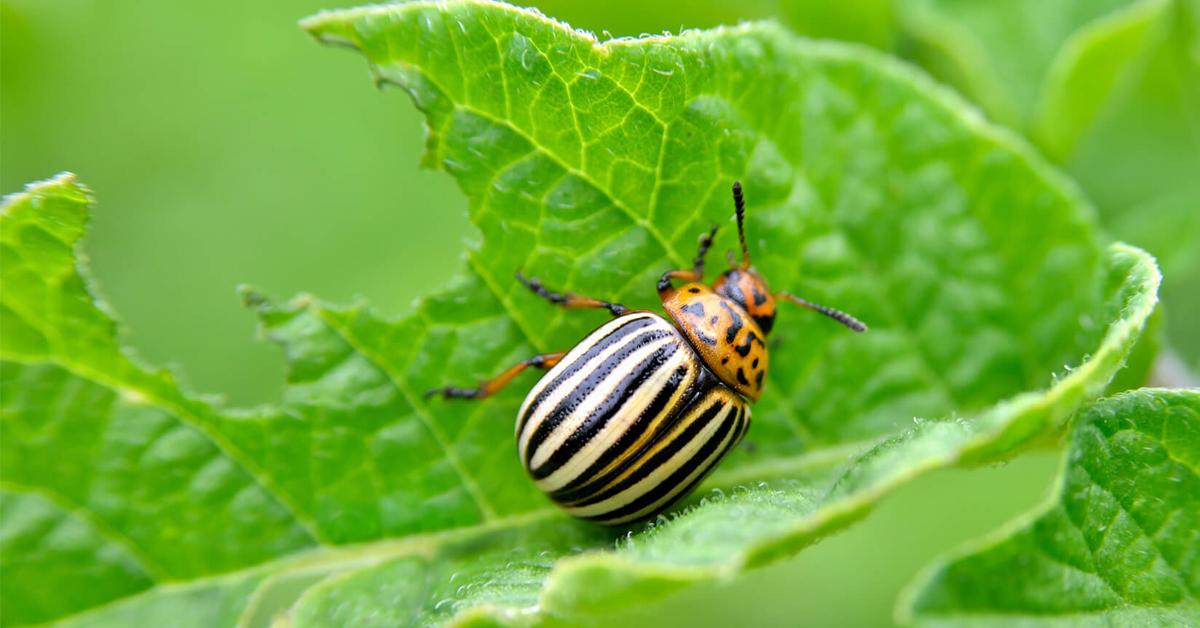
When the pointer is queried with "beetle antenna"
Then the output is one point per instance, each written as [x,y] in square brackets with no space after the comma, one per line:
[837,315]
[739,204]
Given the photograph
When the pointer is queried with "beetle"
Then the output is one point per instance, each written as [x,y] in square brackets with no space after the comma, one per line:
[634,416]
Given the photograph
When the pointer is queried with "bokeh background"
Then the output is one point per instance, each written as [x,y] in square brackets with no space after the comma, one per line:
[226,147]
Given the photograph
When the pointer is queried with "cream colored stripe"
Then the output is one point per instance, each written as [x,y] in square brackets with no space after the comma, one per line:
[567,386]
[654,430]
[571,423]
[572,356]
[745,425]
[701,468]
[699,407]
[620,422]
[663,471]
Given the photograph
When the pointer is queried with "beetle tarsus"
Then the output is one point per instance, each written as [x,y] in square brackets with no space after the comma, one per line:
[487,388]
[451,392]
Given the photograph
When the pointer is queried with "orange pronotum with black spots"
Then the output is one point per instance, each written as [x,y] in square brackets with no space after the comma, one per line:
[637,413]
[728,340]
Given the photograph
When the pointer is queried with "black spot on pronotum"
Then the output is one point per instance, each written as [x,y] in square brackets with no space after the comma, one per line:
[705,338]
[694,290]
[741,377]
[759,298]
[695,309]
[714,320]
[758,379]
[754,364]
[725,360]
[744,349]
[735,326]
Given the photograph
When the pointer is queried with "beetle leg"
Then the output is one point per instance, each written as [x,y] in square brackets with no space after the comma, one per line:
[568,300]
[492,386]
[696,272]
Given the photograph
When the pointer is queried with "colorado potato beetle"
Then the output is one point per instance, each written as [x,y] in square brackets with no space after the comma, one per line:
[632,418]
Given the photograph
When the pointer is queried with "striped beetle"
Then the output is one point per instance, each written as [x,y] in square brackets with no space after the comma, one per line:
[632,418]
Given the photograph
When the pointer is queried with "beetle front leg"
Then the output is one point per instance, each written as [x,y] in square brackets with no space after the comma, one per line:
[568,300]
[492,386]
[696,272]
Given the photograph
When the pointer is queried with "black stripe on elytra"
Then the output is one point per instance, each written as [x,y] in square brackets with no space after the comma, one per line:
[673,481]
[697,393]
[743,425]
[699,476]
[735,326]
[599,346]
[591,425]
[739,431]
[660,457]
[570,403]
[587,481]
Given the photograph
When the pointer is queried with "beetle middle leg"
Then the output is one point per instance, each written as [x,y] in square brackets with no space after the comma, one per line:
[568,300]
[487,388]
[696,272]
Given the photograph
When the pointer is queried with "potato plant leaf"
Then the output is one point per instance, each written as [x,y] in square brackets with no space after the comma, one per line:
[1118,544]
[996,311]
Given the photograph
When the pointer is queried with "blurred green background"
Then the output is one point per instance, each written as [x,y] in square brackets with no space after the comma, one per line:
[226,147]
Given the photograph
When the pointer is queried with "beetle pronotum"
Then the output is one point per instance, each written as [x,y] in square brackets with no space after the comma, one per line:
[635,415]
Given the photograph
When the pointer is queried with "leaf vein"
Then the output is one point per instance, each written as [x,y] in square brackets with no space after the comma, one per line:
[468,480]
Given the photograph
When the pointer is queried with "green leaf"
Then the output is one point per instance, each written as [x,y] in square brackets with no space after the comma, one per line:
[1110,90]
[593,166]
[1118,543]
